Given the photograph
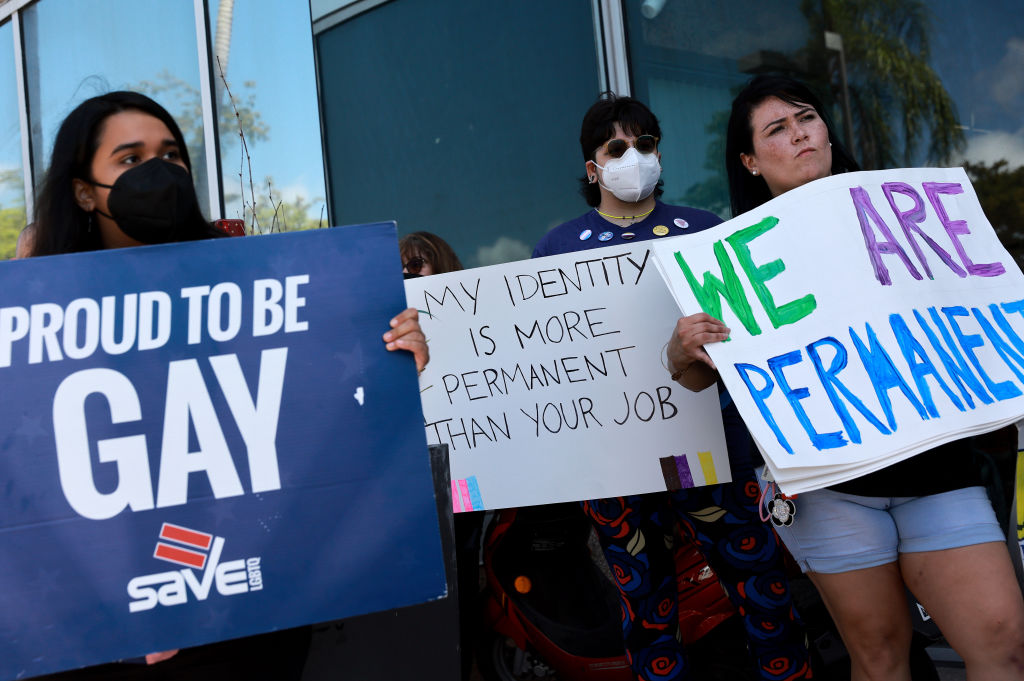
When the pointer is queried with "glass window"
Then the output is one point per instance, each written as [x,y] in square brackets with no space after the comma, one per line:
[12,183]
[929,82]
[978,52]
[688,59]
[468,128]
[76,50]
[265,50]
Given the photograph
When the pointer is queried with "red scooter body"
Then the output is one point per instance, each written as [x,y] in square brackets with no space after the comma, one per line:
[552,606]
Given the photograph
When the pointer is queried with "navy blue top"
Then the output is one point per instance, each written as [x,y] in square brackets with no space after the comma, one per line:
[588,230]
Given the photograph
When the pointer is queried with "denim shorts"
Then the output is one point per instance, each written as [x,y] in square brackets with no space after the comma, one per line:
[834,532]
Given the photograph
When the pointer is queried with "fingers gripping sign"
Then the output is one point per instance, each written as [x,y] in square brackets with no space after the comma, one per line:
[406,334]
[686,346]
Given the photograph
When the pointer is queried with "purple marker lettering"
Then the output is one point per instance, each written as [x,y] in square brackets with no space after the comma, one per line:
[865,210]
[910,221]
[956,228]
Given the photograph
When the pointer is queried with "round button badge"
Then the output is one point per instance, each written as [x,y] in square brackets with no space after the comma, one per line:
[605,236]
[628,235]
[585,234]
[660,230]
[681,223]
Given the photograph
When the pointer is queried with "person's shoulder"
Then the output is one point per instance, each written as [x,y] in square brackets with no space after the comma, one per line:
[561,239]
[696,219]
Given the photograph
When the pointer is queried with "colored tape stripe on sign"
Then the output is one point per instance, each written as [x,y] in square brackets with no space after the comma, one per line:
[456,497]
[183,535]
[707,465]
[676,471]
[466,495]
[685,476]
[474,493]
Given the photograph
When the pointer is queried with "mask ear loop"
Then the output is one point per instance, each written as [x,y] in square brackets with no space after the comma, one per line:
[762,510]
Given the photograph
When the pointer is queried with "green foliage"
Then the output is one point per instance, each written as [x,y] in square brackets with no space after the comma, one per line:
[12,221]
[241,127]
[275,215]
[12,217]
[188,112]
[1001,194]
[897,100]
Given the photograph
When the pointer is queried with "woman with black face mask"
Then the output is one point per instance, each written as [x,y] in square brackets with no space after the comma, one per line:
[120,176]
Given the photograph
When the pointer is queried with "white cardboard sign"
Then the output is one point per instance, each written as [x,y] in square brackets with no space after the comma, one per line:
[547,382]
[873,316]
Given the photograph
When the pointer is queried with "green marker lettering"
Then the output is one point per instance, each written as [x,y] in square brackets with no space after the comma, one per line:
[730,289]
[788,313]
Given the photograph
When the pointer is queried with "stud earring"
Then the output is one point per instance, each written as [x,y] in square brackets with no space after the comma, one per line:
[754,172]
[591,178]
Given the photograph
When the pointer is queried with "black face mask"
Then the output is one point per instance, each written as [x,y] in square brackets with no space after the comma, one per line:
[154,202]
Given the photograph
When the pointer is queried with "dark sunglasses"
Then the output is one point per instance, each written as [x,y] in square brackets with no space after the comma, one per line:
[414,265]
[645,144]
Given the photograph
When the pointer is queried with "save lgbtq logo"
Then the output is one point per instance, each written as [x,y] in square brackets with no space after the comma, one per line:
[193,550]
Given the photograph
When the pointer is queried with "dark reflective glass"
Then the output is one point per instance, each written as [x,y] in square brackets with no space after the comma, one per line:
[444,107]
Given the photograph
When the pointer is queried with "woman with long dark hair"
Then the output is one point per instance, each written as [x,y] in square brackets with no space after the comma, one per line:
[120,176]
[925,523]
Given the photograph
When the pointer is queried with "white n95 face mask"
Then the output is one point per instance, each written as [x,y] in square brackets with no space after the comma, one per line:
[631,177]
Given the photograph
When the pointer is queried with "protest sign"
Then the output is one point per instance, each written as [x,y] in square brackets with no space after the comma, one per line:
[873,316]
[204,441]
[547,382]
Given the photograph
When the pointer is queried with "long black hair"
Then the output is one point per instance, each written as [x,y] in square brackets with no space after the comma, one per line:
[60,225]
[598,127]
[747,191]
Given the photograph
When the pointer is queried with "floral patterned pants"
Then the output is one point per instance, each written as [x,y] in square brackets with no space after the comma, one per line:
[723,521]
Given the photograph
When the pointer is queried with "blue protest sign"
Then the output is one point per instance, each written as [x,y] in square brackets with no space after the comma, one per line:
[204,441]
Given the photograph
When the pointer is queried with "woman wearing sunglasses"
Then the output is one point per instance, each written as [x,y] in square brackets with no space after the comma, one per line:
[424,254]
[619,140]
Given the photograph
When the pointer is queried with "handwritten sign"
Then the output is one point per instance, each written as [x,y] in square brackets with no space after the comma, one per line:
[204,441]
[547,382]
[874,315]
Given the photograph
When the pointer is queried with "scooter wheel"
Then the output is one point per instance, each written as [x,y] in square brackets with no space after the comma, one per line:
[499,659]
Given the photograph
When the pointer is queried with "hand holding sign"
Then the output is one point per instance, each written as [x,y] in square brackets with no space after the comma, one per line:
[692,333]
